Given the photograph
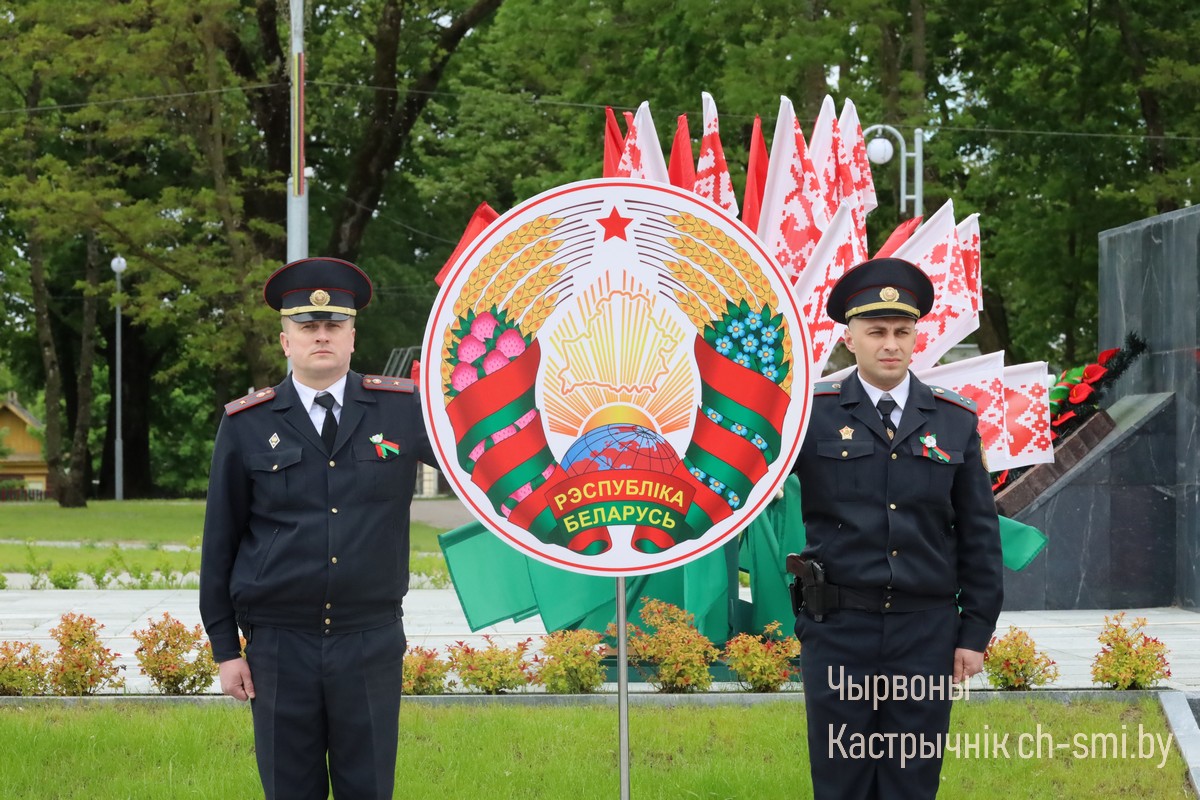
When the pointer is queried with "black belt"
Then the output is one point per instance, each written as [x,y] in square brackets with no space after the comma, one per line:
[879,600]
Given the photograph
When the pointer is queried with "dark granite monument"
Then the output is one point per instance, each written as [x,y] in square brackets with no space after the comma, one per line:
[1124,521]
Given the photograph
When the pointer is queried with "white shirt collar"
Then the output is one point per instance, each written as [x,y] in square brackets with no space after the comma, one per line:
[899,393]
[308,395]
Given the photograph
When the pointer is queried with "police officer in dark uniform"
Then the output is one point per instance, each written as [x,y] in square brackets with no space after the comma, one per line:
[306,547]
[901,574]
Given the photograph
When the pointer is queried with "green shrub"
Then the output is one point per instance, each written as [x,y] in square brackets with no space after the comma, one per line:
[674,658]
[1013,662]
[424,672]
[176,659]
[492,669]
[570,662]
[24,669]
[82,664]
[1129,659]
[64,578]
[763,663]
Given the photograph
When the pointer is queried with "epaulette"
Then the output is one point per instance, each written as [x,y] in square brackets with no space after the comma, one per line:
[388,383]
[827,387]
[955,398]
[249,401]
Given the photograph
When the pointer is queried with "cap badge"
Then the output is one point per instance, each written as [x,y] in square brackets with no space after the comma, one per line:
[320,297]
[888,294]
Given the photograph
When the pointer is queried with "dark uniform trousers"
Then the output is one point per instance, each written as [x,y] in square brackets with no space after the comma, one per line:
[851,647]
[340,692]
[909,519]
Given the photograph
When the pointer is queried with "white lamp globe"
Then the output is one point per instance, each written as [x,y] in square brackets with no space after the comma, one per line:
[880,151]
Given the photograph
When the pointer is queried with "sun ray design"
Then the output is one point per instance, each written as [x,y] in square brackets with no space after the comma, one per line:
[618,356]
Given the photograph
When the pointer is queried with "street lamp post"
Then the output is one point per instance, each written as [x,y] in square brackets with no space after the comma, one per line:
[880,150]
[118,266]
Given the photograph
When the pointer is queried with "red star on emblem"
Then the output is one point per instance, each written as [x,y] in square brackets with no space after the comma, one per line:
[614,225]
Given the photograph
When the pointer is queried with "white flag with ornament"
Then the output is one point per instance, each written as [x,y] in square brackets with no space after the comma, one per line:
[854,151]
[786,224]
[643,156]
[1027,414]
[833,255]
[833,173]
[934,249]
[712,173]
[968,245]
[980,379]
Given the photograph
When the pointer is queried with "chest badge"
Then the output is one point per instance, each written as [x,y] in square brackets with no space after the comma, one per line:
[273,441]
[930,450]
[847,433]
[383,447]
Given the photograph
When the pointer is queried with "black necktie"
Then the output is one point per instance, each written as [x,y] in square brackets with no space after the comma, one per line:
[886,406]
[329,428]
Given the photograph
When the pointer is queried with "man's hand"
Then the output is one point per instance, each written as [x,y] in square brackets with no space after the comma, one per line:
[967,663]
[235,679]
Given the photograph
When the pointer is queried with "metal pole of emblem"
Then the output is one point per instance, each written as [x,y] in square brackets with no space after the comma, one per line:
[623,687]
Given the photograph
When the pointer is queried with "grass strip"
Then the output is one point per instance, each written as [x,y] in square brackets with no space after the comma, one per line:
[144,521]
[503,751]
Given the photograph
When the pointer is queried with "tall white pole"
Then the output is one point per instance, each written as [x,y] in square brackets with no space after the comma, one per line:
[118,266]
[623,687]
[297,203]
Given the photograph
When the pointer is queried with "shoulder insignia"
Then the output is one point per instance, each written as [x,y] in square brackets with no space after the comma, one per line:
[955,398]
[388,383]
[250,400]
[827,387]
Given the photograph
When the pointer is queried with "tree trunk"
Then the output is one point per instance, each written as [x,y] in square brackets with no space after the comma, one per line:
[75,484]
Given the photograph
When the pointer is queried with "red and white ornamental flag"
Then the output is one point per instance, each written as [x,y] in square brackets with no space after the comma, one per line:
[643,157]
[712,173]
[787,222]
[934,248]
[833,173]
[968,244]
[614,144]
[834,254]
[980,379]
[854,151]
[1027,414]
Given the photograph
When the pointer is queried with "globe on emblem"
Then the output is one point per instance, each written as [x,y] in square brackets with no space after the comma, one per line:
[620,445]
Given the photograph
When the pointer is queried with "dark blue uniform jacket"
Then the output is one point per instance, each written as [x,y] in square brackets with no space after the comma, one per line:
[300,539]
[880,513]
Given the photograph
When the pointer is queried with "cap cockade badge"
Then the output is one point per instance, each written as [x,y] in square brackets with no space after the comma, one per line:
[320,297]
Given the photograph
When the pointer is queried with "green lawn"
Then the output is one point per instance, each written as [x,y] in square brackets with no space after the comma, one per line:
[507,751]
[147,522]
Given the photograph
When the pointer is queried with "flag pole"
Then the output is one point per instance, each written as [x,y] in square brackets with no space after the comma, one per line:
[623,686]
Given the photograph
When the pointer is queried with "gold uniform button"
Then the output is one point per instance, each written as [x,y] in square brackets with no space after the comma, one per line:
[895,552]
[845,453]
[333,463]
[334,559]
[327,631]
[328,621]
[892,506]
[887,605]
[330,605]
[335,510]
[274,467]
[894,456]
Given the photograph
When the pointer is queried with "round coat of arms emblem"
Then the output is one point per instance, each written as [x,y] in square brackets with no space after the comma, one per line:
[617,377]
